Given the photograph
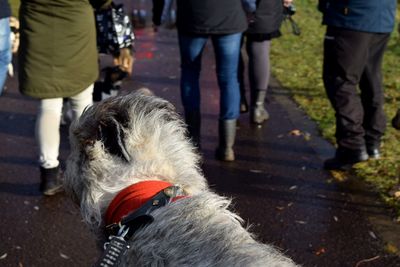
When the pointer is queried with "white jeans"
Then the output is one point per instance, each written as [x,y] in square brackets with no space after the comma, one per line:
[47,129]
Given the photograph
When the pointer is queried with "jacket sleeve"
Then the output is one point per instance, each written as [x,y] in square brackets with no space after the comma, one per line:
[249,5]
[100,4]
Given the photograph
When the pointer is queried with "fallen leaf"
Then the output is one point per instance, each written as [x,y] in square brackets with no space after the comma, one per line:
[395,191]
[2,257]
[293,187]
[372,234]
[36,207]
[290,204]
[321,196]
[295,132]
[280,208]
[336,218]
[301,222]
[320,251]
[391,248]
[64,256]
[339,175]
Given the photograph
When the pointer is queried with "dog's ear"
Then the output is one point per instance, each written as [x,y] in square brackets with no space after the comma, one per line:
[112,135]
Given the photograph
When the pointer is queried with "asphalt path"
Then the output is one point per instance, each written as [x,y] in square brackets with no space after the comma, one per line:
[277,184]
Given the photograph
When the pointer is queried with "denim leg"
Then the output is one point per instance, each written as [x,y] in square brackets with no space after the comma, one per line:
[191,49]
[227,52]
[5,50]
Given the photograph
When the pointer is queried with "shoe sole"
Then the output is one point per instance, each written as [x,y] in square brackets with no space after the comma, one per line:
[53,191]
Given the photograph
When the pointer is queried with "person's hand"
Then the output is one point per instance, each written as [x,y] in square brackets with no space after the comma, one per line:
[287,3]
[125,60]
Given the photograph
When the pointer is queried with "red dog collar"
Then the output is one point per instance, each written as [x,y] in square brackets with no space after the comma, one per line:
[132,198]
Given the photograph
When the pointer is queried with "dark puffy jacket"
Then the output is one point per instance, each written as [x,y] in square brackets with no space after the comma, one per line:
[211,16]
[5,10]
[377,16]
[267,18]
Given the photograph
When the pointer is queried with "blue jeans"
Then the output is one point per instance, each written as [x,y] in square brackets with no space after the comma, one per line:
[5,50]
[226,49]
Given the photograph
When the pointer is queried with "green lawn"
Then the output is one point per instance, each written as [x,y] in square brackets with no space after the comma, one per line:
[297,63]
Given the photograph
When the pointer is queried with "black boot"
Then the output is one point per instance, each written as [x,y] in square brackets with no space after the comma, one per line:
[193,121]
[50,181]
[373,149]
[258,113]
[227,134]
[345,159]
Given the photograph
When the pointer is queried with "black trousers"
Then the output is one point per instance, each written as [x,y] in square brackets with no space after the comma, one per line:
[158,6]
[353,59]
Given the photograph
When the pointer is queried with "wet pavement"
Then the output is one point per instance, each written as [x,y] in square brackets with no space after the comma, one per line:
[277,183]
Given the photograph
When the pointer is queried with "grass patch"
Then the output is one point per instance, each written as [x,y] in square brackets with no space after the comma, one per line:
[297,64]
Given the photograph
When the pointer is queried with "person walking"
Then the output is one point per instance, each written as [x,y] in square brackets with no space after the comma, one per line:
[356,37]
[5,41]
[57,59]
[264,24]
[223,21]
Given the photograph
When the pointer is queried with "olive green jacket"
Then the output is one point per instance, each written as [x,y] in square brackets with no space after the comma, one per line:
[57,55]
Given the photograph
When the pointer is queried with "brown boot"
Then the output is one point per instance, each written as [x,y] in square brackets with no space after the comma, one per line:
[50,181]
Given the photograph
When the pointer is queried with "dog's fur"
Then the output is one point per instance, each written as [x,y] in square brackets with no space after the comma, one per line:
[127,139]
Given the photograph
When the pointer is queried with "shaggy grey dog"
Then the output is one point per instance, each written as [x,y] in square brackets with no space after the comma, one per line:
[139,137]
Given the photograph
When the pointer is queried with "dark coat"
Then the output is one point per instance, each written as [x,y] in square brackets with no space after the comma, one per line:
[210,16]
[5,10]
[376,16]
[57,55]
[268,17]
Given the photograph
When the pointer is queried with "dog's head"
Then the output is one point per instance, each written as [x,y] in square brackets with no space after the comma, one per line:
[124,140]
